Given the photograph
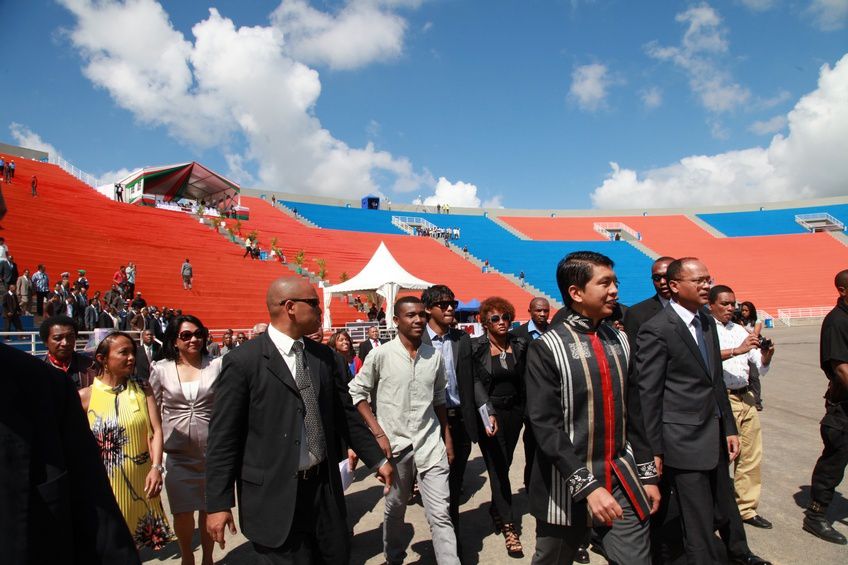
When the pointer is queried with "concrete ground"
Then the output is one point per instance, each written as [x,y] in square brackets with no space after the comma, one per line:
[793,407]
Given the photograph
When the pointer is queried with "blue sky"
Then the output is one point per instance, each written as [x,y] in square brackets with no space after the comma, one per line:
[520,104]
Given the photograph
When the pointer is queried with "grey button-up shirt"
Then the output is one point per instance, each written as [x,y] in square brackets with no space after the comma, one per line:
[405,392]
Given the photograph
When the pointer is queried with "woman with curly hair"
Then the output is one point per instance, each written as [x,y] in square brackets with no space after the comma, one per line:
[499,363]
[125,422]
[342,343]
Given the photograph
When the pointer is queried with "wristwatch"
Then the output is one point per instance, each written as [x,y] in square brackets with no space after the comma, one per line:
[159,468]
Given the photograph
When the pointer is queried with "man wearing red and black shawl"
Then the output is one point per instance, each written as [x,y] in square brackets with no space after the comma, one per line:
[593,467]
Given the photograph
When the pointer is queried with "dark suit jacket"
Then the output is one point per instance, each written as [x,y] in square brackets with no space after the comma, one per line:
[637,315]
[679,394]
[142,363]
[472,391]
[11,306]
[365,348]
[255,432]
[481,352]
[57,504]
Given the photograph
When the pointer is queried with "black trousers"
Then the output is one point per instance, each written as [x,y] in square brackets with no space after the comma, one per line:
[39,301]
[318,533]
[461,452]
[756,384]
[529,453]
[14,320]
[830,467]
[498,452]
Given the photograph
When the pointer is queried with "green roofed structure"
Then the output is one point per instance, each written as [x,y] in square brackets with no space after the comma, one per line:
[184,181]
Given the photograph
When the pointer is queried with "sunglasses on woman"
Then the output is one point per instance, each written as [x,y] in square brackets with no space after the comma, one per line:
[497,318]
[187,335]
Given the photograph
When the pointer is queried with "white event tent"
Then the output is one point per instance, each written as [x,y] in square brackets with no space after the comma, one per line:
[382,275]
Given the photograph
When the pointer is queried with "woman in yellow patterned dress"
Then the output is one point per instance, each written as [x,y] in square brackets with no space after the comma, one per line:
[125,422]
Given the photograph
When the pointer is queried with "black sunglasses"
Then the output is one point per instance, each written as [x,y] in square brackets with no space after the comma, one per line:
[658,277]
[497,318]
[313,302]
[445,304]
[186,335]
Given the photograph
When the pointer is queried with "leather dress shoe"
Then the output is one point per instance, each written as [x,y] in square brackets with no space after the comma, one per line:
[749,559]
[582,555]
[758,522]
[821,528]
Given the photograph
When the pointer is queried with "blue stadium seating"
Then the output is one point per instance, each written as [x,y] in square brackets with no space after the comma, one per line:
[768,222]
[505,252]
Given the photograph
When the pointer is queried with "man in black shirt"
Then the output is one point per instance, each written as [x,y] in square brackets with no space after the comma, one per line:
[830,468]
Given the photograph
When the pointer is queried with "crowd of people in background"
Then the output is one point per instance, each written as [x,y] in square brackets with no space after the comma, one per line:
[680,365]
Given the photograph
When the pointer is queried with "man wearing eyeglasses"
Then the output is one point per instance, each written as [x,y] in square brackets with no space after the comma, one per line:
[688,421]
[465,393]
[282,411]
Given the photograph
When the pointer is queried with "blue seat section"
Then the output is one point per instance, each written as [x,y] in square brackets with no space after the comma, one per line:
[768,222]
[505,252]
[350,219]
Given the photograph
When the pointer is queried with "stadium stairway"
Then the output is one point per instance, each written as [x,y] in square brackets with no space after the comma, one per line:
[69,226]
[769,222]
[349,251]
[779,271]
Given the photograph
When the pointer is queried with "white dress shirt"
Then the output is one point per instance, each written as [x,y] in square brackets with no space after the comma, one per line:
[736,369]
[687,316]
[283,343]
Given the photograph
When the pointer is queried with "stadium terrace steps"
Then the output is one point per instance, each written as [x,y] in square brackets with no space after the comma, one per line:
[769,222]
[70,226]
[780,271]
[349,251]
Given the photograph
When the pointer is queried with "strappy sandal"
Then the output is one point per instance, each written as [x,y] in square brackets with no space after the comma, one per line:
[497,522]
[513,544]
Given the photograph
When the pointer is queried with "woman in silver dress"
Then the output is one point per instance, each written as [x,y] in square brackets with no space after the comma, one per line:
[182,385]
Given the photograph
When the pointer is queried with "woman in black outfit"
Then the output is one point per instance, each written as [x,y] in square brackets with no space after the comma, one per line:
[499,361]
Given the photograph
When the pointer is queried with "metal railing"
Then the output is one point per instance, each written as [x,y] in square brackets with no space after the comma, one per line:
[406,223]
[604,228]
[819,220]
[798,316]
[69,168]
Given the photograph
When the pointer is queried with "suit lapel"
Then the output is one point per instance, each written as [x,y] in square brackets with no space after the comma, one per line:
[454,343]
[275,364]
[687,338]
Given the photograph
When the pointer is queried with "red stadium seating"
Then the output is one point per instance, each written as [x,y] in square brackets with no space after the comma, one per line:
[778,271]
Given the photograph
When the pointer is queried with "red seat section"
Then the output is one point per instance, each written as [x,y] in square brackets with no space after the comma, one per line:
[348,252]
[779,271]
[70,226]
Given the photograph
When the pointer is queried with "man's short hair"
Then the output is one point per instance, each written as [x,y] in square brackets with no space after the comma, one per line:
[675,268]
[53,321]
[576,269]
[717,290]
[406,300]
[436,293]
[841,279]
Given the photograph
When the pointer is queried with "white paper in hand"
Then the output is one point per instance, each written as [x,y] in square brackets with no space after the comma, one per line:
[484,415]
[346,473]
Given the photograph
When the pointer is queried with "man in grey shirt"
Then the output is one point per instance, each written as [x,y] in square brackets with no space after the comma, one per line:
[405,379]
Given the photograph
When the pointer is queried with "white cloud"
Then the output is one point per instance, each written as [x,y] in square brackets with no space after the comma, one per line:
[361,32]
[458,194]
[808,162]
[652,97]
[700,55]
[829,15]
[240,90]
[27,138]
[589,86]
[111,177]
[767,127]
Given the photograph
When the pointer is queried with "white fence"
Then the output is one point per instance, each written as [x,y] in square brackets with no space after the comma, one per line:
[604,228]
[802,316]
[72,170]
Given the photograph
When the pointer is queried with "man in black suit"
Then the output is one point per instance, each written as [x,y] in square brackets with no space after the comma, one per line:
[148,352]
[540,311]
[640,313]
[282,410]
[57,503]
[465,392]
[687,417]
[373,340]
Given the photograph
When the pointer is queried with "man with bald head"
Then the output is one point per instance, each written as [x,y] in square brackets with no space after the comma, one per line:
[830,468]
[640,313]
[282,410]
